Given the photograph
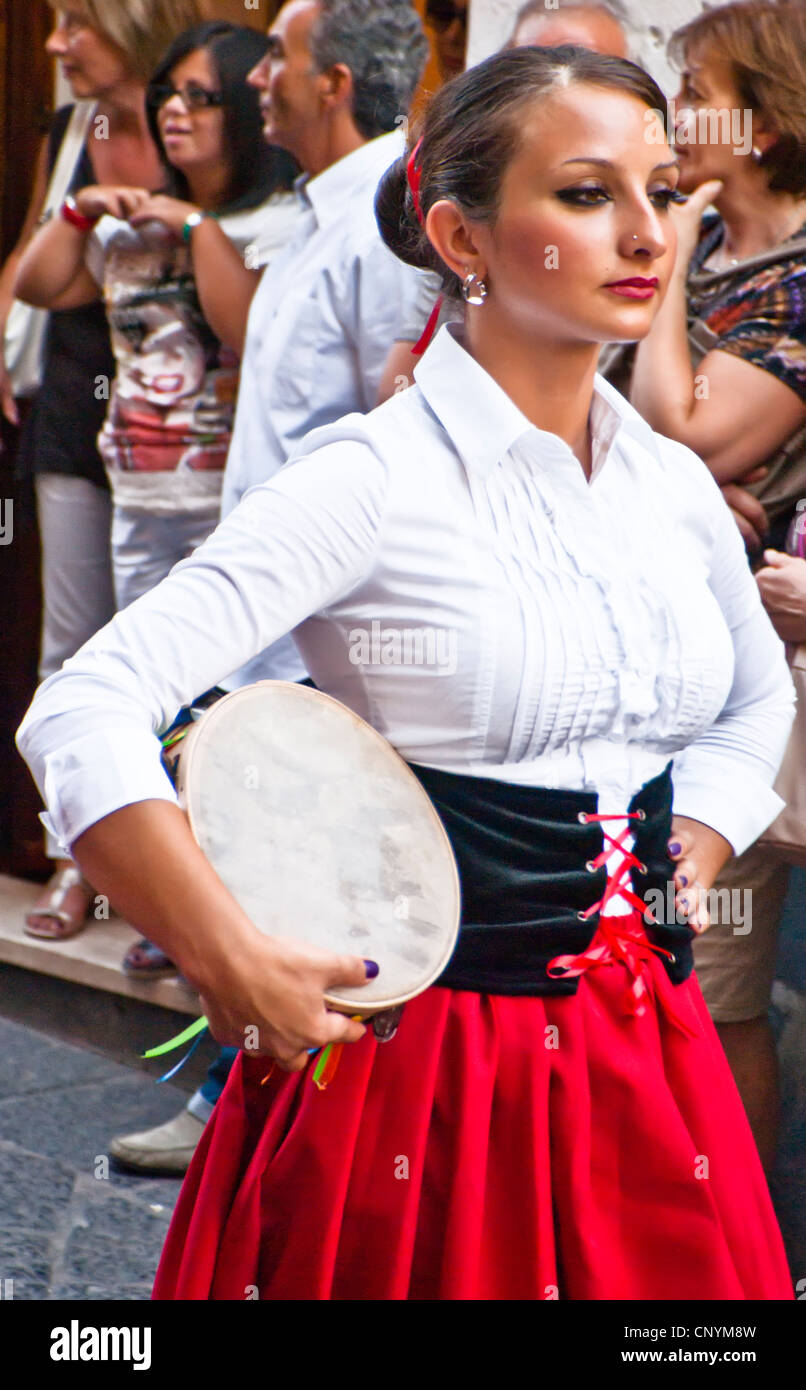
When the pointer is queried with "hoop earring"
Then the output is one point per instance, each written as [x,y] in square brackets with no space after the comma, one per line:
[469,294]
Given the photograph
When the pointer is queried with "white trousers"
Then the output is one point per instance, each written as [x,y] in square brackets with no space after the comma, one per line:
[146,547]
[77,593]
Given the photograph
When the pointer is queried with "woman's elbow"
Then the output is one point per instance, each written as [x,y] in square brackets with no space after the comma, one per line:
[29,289]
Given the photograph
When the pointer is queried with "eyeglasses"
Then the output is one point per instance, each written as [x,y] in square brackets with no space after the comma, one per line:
[194,97]
[442,14]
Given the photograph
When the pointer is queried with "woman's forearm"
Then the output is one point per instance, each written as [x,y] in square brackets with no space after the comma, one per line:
[263,993]
[145,860]
[50,263]
[8,274]
[663,379]
[224,281]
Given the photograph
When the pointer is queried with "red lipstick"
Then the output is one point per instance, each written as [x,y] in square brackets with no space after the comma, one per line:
[636,287]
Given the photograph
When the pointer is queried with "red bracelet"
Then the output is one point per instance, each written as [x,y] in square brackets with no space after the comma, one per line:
[71,214]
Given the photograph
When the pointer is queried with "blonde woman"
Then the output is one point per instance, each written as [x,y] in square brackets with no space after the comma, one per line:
[106,50]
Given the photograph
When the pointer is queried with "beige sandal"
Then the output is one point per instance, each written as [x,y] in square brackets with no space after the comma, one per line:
[62,910]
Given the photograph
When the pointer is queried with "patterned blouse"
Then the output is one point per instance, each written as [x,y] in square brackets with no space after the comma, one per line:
[760,317]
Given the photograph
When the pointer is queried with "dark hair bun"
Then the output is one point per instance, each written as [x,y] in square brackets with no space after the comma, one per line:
[397,219]
[400,228]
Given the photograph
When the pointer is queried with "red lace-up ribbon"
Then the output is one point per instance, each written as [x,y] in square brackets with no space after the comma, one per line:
[619,939]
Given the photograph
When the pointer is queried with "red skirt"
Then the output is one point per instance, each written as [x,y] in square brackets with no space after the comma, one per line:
[496,1148]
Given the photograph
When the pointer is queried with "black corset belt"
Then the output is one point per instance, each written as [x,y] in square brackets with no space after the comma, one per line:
[523,856]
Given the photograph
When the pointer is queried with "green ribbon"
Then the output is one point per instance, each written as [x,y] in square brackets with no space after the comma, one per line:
[322,1062]
[185,1036]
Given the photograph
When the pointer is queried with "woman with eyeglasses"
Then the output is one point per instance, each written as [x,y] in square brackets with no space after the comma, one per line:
[177,270]
[106,50]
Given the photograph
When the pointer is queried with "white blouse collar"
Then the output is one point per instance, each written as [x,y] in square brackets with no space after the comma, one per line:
[484,423]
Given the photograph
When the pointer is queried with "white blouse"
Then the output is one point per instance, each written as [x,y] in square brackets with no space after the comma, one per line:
[451,575]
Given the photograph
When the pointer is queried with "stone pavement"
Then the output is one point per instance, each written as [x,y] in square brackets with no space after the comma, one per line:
[65,1232]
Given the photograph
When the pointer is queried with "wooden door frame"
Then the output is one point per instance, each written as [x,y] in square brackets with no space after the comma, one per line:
[26,102]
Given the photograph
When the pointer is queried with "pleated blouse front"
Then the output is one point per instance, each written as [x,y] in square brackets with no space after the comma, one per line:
[449,572]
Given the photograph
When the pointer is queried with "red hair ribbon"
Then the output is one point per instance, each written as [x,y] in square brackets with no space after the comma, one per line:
[413,176]
[429,330]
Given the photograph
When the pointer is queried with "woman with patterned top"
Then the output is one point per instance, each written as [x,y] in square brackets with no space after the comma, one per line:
[723,370]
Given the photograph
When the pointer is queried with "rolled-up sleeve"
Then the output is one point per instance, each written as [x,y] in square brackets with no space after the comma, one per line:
[292,547]
[725,777]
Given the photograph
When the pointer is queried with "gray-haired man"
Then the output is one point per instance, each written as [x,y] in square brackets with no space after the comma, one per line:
[335,86]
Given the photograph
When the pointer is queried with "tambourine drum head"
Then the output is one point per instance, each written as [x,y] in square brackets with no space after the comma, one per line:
[321,832]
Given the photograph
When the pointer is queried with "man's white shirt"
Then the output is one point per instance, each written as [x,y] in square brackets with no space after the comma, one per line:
[321,325]
[323,319]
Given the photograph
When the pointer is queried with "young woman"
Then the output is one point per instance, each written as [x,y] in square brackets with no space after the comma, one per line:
[106,50]
[568,1119]
[723,370]
[588,26]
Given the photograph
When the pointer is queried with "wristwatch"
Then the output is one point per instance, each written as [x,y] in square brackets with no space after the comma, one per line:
[192,221]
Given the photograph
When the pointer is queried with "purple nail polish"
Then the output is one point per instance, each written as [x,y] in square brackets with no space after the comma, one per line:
[372,968]
[683,881]
[675,847]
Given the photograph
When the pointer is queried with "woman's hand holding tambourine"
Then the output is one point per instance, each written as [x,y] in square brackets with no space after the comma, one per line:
[273,1002]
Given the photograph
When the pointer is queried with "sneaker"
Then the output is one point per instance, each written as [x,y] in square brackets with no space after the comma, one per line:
[166,1149]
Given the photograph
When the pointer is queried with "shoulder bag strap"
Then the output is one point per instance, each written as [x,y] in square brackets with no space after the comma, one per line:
[68,156]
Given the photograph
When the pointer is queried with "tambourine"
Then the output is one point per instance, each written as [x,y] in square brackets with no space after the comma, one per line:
[322,832]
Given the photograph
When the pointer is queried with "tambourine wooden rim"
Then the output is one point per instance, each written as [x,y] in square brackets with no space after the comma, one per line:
[185,771]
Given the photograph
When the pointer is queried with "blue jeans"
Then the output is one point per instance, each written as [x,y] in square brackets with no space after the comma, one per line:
[202,1103]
